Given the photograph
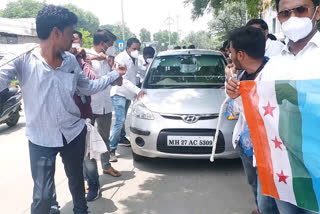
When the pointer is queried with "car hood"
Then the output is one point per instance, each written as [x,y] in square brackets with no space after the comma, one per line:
[184,101]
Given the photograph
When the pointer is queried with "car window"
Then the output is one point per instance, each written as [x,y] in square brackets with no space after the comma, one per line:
[186,71]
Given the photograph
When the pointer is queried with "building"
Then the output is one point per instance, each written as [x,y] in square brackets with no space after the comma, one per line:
[18,31]
[269,15]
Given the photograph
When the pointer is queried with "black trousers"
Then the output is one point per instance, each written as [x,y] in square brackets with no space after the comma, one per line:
[42,160]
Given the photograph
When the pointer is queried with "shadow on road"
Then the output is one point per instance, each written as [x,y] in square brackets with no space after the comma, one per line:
[6,130]
[100,206]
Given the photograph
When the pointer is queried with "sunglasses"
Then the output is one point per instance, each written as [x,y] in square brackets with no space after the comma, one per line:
[301,11]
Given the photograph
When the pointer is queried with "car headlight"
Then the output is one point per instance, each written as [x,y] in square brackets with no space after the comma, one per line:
[140,111]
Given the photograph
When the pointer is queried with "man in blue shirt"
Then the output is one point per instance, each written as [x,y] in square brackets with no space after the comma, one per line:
[48,77]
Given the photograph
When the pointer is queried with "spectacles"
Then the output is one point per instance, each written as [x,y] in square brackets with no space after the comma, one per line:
[301,11]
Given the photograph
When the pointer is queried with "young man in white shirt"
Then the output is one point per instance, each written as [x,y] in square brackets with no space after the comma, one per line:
[102,113]
[121,96]
[296,61]
[273,47]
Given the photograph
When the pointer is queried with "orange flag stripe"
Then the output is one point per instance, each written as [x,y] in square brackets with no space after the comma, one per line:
[250,100]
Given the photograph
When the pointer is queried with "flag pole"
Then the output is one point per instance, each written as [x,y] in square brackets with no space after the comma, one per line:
[214,145]
[16,57]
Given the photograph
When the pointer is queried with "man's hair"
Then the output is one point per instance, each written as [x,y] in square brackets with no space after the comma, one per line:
[260,22]
[192,47]
[103,36]
[131,41]
[177,47]
[249,39]
[149,51]
[51,16]
[226,44]
[79,34]
[315,3]
[272,37]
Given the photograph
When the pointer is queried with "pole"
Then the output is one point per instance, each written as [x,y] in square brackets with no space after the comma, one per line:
[123,36]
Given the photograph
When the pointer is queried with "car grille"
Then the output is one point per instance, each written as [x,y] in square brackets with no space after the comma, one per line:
[162,141]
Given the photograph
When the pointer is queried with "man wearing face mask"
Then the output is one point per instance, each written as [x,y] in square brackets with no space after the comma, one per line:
[298,19]
[102,112]
[122,95]
[144,63]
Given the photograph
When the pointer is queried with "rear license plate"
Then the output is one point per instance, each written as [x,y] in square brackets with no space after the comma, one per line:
[196,141]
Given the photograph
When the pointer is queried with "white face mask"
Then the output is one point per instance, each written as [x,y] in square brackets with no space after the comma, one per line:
[297,28]
[135,54]
[229,55]
[149,60]
[111,51]
[76,45]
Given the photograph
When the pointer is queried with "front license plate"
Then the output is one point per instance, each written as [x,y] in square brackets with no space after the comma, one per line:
[196,141]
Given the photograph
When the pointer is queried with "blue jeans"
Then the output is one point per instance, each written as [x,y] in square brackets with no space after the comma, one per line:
[90,168]
[287,208]
[121,106]
[42,160]
[266,204]
[250,171]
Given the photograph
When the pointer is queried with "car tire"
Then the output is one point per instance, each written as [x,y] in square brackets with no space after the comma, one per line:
[137,158]
[13,120]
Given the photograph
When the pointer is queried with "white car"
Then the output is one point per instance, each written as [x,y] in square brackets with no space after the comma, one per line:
[177,118]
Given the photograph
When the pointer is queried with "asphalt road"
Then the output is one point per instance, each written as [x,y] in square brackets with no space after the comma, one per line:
[151,187]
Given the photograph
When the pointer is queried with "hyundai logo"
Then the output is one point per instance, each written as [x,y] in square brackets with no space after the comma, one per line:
[190,118]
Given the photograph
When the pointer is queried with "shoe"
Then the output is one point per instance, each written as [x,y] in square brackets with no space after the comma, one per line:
[113,157]
[54,209]
[94,193]
[125,142]
[111,171]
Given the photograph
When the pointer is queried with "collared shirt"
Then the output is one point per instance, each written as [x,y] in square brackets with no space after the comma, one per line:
[128,89]
[273,48]
[101,101]
[288,66]
[48,96]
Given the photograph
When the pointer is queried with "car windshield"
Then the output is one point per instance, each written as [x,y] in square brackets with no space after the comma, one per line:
[186,71]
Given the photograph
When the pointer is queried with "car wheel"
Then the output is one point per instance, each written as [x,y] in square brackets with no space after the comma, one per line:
[13,120]
[138,158]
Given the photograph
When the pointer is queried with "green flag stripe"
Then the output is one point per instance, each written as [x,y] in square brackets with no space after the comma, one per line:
[290,130]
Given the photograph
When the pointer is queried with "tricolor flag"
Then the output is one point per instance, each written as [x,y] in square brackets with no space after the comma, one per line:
[284,122]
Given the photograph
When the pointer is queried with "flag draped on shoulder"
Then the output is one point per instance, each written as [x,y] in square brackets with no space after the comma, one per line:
[284,123]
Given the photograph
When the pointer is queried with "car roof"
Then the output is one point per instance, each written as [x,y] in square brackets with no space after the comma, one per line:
[189,51]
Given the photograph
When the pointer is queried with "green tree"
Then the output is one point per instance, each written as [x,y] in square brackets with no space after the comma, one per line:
[201,39]
[145,35]
[232,16]
[117,30]
[30,9]
[199,7]
[86,20]
[22,9]
[87,40]
[162,37]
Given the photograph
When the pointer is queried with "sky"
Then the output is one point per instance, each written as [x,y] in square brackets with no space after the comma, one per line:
[149,14]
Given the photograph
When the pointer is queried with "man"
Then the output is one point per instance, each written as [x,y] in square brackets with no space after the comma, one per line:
[247,47]
[296,61]
[273,47]
[121,96]
[48,77]
[102,114]
[144,62]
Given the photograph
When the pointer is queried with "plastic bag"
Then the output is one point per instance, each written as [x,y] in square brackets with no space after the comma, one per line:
[95,146]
